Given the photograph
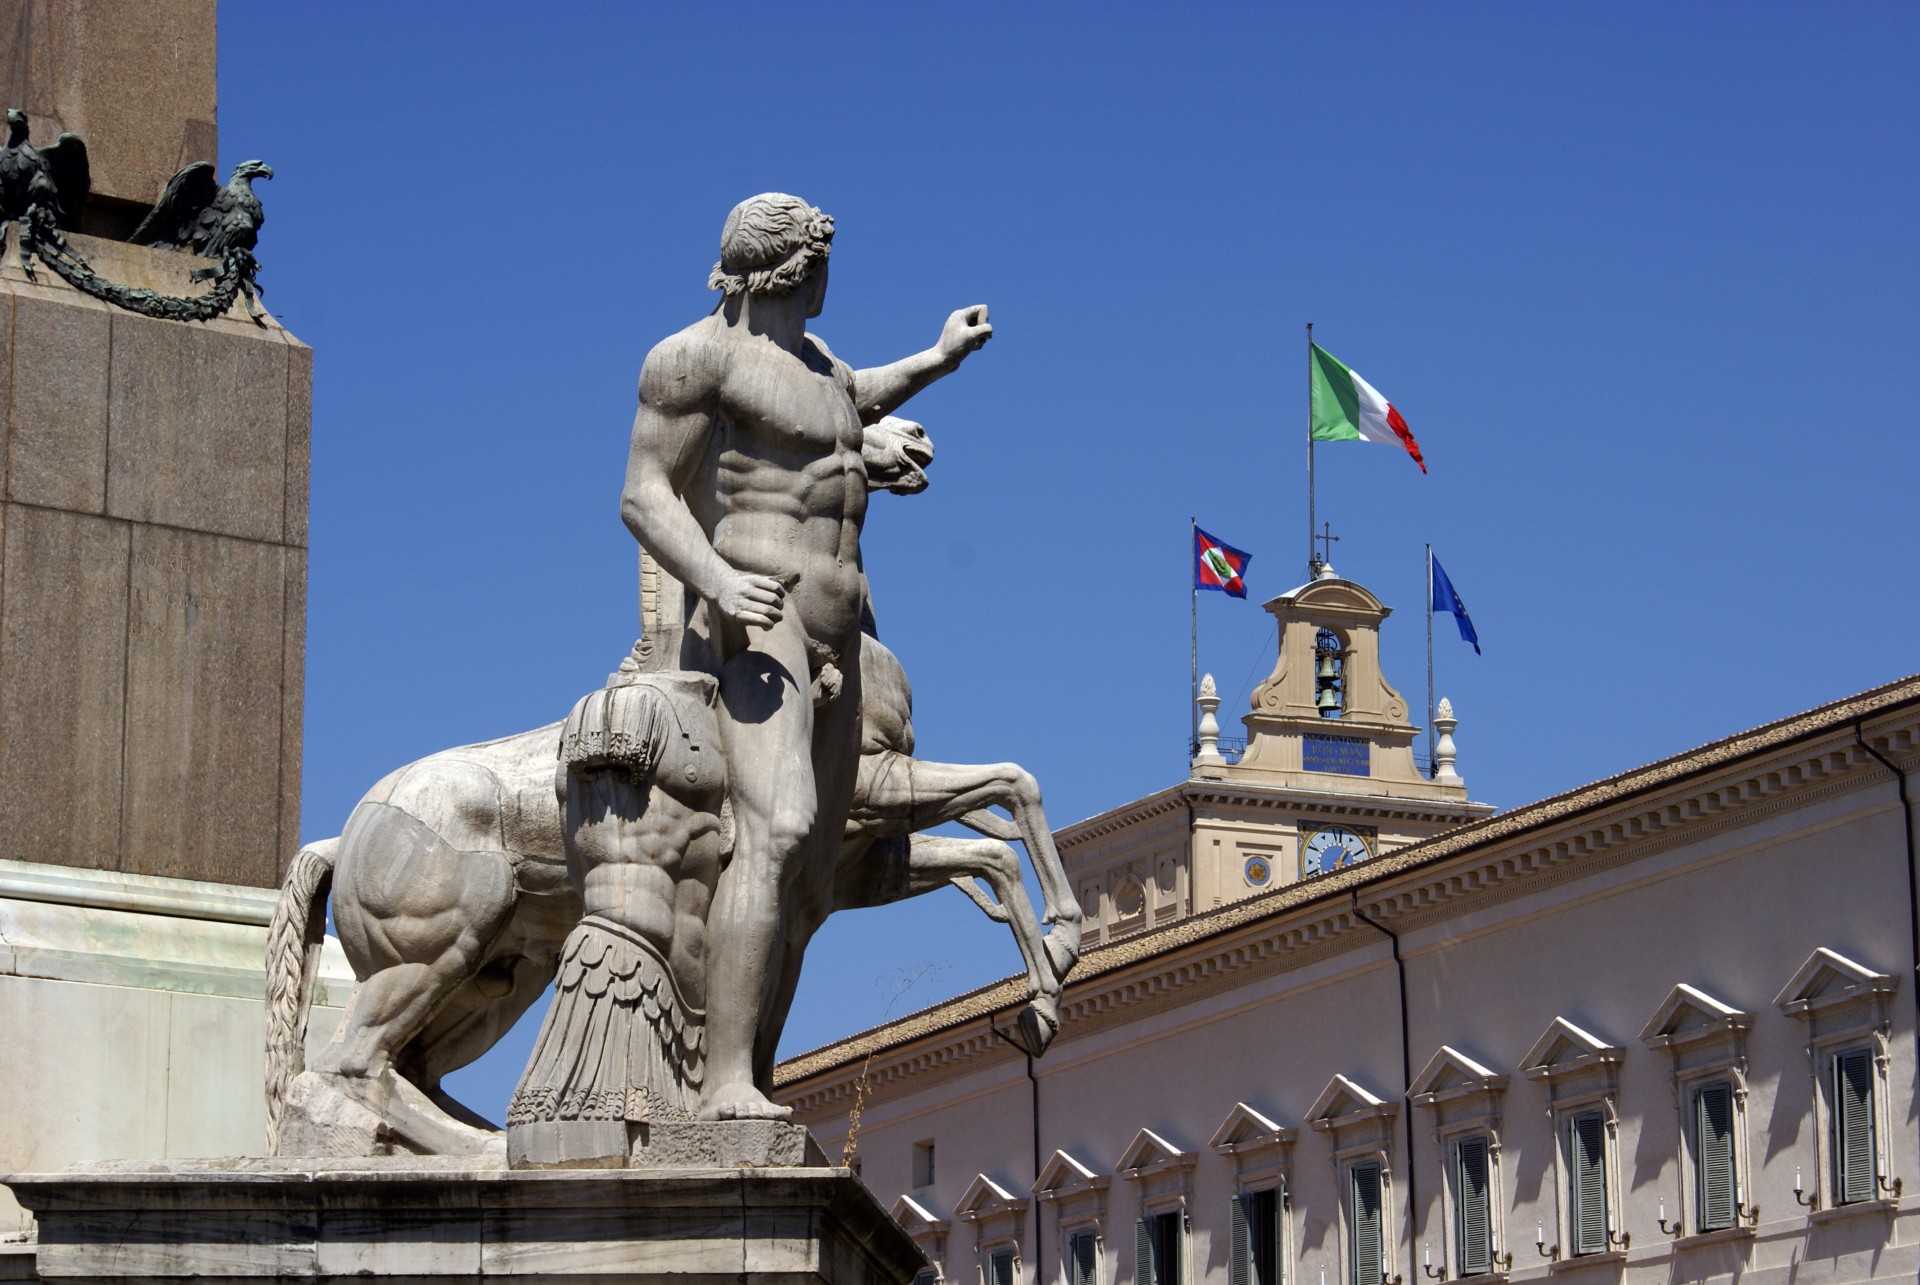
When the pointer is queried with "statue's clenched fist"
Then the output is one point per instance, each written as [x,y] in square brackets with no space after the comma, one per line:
[966,331]
[748,599]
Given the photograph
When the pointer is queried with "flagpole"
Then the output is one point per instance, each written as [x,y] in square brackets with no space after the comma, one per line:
[1430,662]
[1193,578]
[1310,514]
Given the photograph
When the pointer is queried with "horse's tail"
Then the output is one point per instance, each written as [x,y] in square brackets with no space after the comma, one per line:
[294,938]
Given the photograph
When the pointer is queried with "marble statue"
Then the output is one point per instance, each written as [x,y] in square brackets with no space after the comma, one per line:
[745,483]
[452,896]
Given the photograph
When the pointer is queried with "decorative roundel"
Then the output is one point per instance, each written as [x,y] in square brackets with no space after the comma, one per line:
[1259,871]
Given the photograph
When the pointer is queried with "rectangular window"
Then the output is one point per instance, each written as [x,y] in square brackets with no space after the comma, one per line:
[1587,1182]
[1714,1195]
[1254,1254]
[1854,1168]
[926,1276]
[1081,1259]
[1366,1257]
[1472,1208]
[1156,1249]
[923,1163]
[1000,1267]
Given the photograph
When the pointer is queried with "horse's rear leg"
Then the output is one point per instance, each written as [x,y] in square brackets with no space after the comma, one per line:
[472,1021]
[416,918]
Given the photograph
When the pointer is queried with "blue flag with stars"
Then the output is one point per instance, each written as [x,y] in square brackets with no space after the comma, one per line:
[1445,599]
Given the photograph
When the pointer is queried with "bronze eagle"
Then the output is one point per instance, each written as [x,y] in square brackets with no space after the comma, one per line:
[196,213]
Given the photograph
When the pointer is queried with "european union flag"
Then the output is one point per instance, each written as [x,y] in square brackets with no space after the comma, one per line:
[1445,599]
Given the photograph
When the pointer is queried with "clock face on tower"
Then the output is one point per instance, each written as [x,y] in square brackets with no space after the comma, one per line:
[1333,847]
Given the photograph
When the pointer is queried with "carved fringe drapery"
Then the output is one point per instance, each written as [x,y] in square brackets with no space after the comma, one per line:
[619,1042]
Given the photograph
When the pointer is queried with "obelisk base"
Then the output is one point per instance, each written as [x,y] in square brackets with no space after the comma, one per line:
[436,1219]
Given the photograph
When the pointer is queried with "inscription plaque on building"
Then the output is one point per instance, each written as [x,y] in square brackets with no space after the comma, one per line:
[1346,755]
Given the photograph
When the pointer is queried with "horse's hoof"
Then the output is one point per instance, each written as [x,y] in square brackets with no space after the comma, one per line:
[1063,948]
[1039,1022]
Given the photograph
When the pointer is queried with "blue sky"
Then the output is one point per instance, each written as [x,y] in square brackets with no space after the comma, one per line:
[1640,277]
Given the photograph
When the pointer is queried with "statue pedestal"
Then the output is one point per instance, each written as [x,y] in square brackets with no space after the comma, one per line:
[421,1218]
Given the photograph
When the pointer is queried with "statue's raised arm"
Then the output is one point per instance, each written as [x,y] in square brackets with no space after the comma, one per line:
[880,391]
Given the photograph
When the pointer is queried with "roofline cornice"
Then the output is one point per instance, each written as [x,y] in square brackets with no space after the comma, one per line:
[1643,811]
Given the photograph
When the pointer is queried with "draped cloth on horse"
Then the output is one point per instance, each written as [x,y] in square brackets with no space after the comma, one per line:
[619,1041]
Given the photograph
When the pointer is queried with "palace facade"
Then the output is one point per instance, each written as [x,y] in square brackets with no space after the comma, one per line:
[1339,1025]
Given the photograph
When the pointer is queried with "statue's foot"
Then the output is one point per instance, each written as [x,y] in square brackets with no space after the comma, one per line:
[740,1102]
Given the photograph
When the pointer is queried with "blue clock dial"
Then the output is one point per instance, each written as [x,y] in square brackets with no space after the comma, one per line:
[1332,847]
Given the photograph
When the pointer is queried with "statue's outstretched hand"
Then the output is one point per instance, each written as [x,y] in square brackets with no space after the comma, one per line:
[748,599]
[966,331]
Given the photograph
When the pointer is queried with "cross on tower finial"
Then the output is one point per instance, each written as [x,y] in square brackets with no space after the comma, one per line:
[1326,541]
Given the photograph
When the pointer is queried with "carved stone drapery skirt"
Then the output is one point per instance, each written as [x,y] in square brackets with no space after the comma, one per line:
[619,1041]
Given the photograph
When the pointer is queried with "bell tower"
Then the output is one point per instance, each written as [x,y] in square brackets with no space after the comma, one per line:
[1327,718]
[1328,779]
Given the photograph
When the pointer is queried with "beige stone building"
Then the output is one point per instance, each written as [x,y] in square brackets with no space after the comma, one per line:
[1341,1026]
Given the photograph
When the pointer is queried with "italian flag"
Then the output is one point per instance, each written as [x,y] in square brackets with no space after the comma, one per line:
[1346,408]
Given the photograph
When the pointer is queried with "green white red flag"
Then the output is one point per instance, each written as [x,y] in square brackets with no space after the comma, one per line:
[1346,408]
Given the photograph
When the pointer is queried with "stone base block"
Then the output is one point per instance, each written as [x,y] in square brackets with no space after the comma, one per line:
[616,1144]
[436,1219]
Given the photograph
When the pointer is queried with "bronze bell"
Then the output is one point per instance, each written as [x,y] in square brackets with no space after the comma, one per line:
[1329,699]
[1329,667]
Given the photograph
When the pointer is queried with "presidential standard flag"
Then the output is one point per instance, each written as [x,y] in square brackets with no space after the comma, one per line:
[1445,599]
[1346,408]
[1218,565]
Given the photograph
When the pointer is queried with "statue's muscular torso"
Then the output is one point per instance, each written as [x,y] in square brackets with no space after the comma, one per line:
[781,488]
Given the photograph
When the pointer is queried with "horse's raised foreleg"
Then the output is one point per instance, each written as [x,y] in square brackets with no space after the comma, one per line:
[942,792]
[937,860]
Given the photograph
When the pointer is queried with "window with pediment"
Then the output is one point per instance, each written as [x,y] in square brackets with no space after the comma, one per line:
[1462,1098]
[1845,1008]
[1077,1197]
[929,1232]
[1162,1178]
[1261,1151]
[1581,1075]
[998,1218]
[1706,1042]
[1359,1128]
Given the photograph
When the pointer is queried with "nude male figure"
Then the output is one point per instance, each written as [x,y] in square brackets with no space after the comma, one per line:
[745,483]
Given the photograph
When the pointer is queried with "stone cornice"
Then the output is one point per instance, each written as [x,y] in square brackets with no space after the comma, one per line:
[1214,792]
[1647,809]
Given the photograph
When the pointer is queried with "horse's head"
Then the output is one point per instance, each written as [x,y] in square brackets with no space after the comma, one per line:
[896,452]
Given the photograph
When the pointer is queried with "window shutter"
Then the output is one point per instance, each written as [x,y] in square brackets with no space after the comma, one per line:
[1473,1237]
[1240,1246]
[1143,1264]
[1002,1263]
[1587,1146]
[1853,1159]
[1363,1224]
[1080,1258]
[1713,1154]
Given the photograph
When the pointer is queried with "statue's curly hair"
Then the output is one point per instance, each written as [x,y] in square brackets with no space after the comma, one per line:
[769,245]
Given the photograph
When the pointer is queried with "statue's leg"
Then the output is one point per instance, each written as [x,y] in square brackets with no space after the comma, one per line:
[810,899]
[472,1020]
[416,918]
[766,726]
